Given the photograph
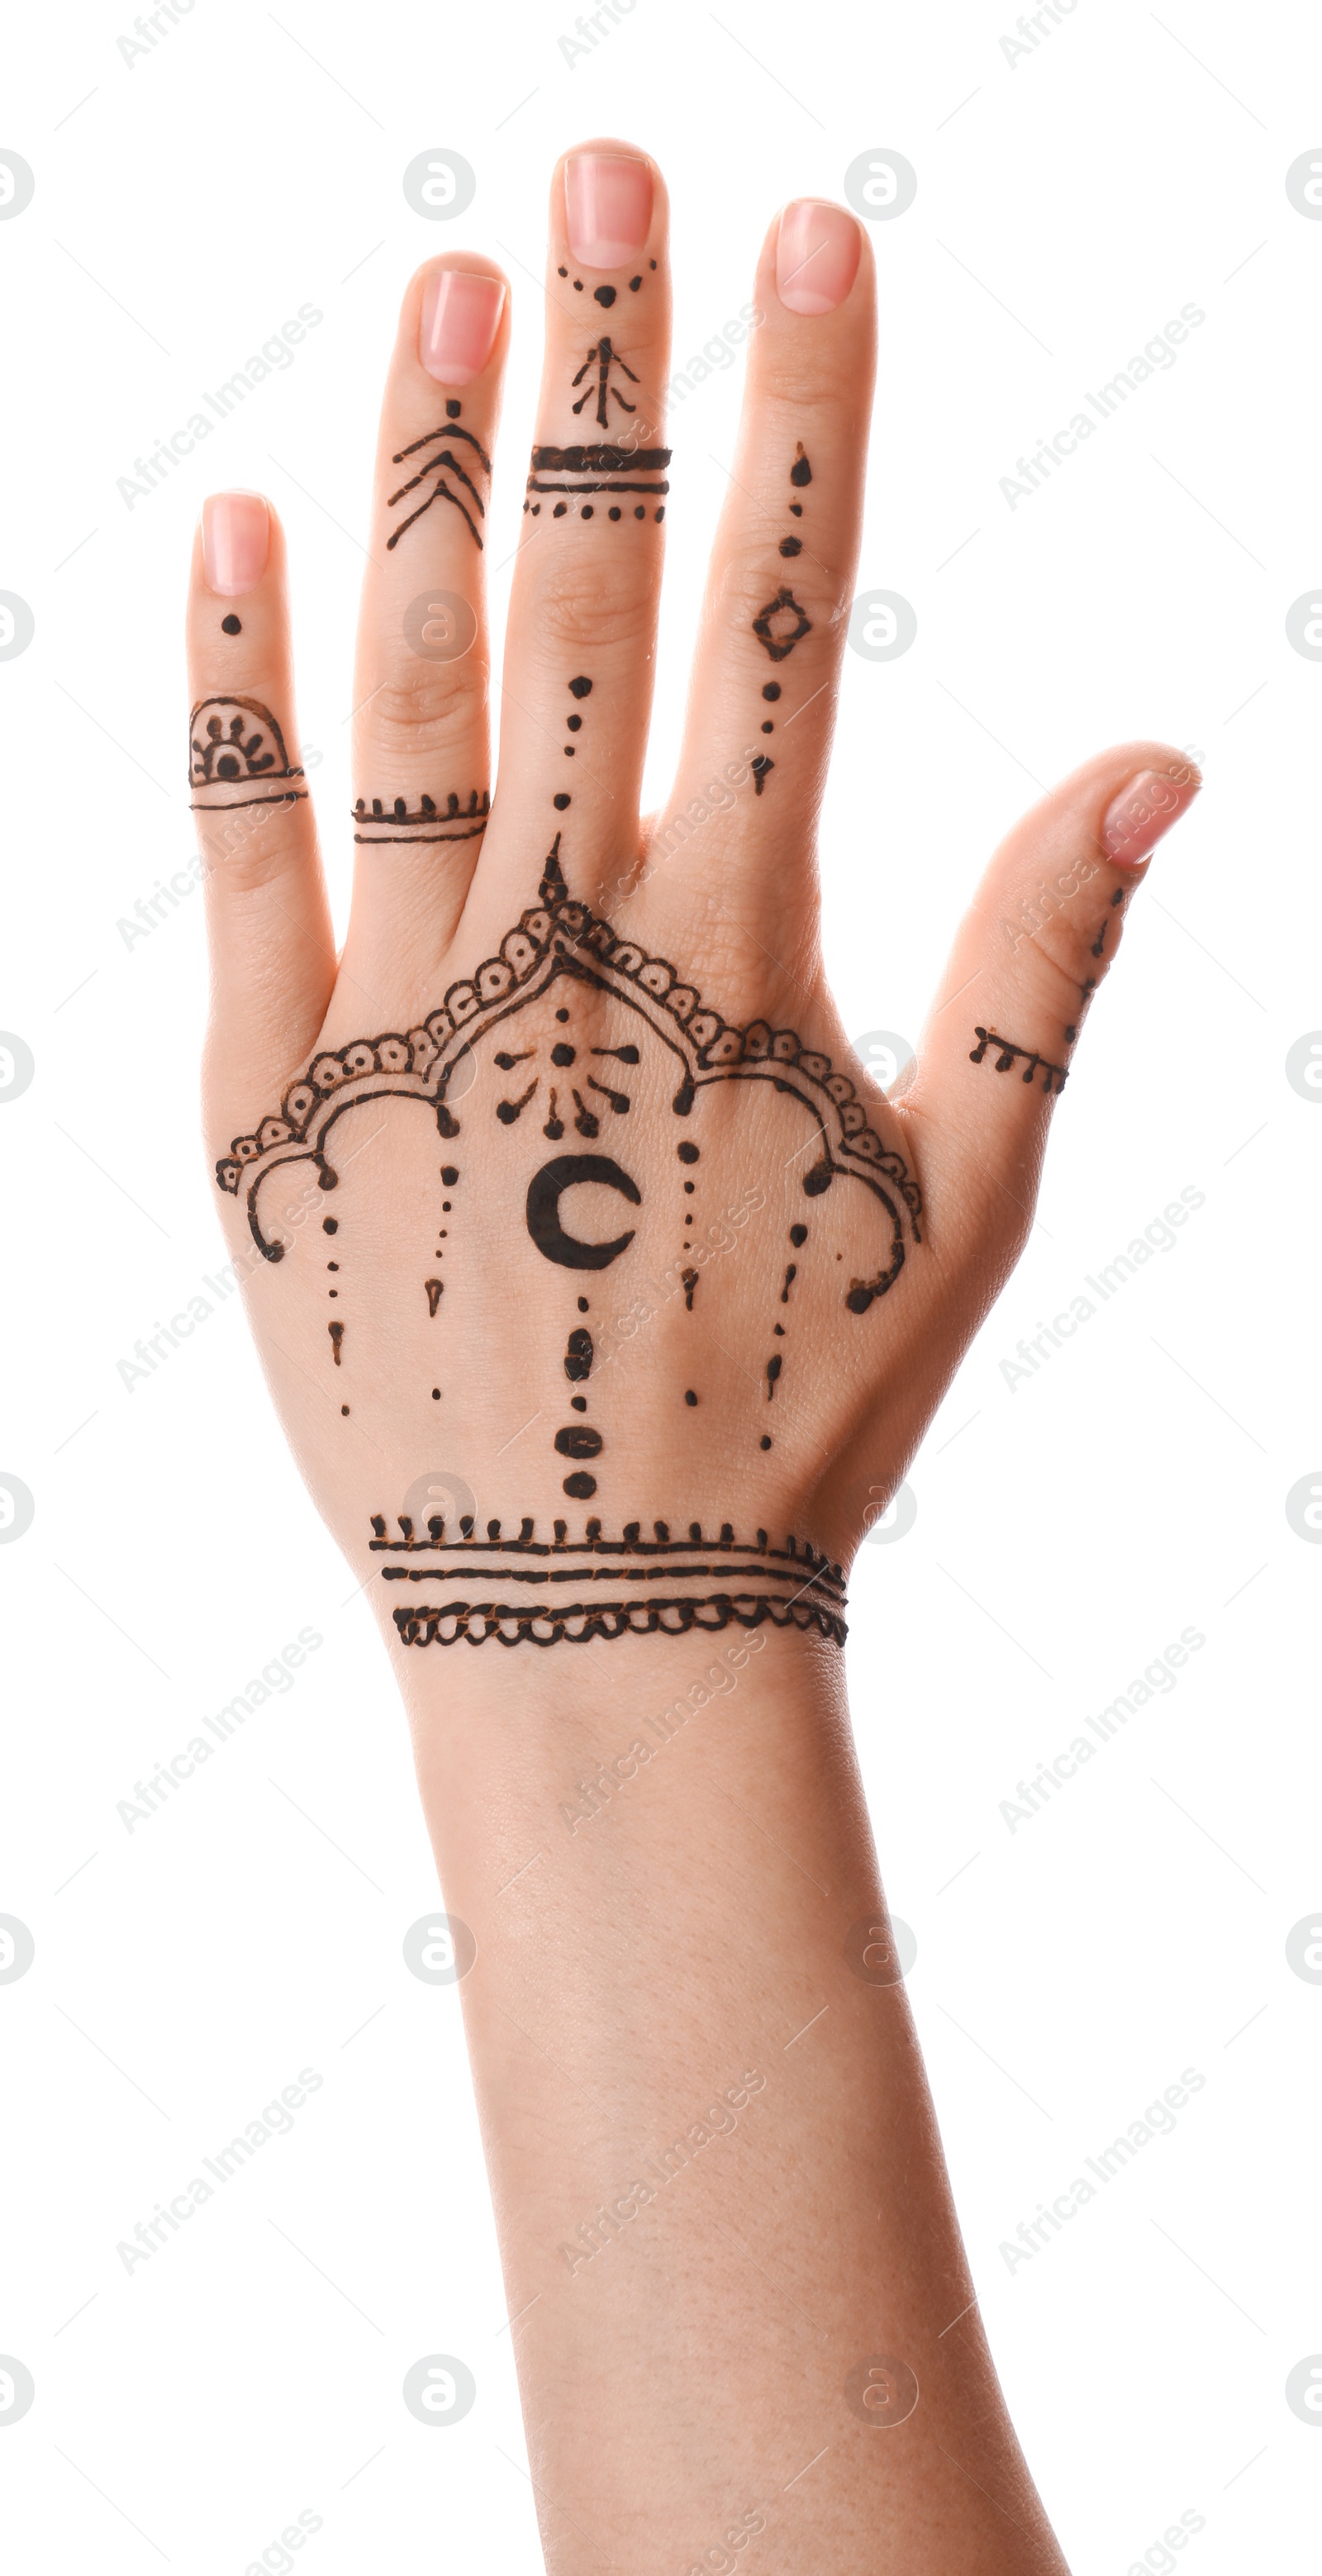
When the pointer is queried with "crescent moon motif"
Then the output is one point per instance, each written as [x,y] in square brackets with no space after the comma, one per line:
[543,1209]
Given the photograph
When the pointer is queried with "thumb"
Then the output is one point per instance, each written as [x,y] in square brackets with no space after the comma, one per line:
[1039,938]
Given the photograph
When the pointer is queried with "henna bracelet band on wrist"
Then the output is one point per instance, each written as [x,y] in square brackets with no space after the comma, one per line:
[554,1582]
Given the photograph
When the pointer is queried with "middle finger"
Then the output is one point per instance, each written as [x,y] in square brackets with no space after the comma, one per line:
[581,639]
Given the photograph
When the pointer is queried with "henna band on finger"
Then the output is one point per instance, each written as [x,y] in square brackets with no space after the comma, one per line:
[568,473]
[1009,1053]
[398,824]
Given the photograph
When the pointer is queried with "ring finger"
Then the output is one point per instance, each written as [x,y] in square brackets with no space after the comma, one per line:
[762,702]
[421,734]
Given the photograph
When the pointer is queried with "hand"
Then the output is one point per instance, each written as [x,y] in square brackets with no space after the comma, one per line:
[565,1172]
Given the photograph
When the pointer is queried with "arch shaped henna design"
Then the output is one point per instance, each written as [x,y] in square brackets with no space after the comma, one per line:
[561,937]
[696,1112]
[237,756]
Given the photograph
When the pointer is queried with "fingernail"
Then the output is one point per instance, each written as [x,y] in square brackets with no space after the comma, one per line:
[1144,810]
[817,251]
[608,208]
[236,539]
[460,318]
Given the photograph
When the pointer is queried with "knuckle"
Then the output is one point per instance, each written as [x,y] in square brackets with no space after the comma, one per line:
[1066,936]
[750,585]
[423,706]
[576,609]
[250,848]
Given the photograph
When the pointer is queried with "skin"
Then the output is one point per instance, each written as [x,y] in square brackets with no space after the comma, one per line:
[677,1948]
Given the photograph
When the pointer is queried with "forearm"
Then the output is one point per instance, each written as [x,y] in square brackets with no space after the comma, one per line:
[717,2178]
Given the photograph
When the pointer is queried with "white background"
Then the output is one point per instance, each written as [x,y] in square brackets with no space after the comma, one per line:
[1068,205]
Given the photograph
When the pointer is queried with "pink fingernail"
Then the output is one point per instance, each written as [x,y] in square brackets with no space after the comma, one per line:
[1144,810]
[236,539]
[817,252]
[460,318]
[608,208]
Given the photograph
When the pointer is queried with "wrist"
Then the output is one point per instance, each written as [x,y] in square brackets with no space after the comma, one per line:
[447,1581]
[559,1736]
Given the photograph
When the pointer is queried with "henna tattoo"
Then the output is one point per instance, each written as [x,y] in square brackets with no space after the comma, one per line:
[567,473]
[542,1209]
[600,462]
[431,822]
[578,1622]
[438,465]
[605,295]
[561,948]
[604,357]
[562,938]
[1099,942]
[237,756]
[579,688]
[783,622]
[781,625]
[1008,1054]
[794,1585]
